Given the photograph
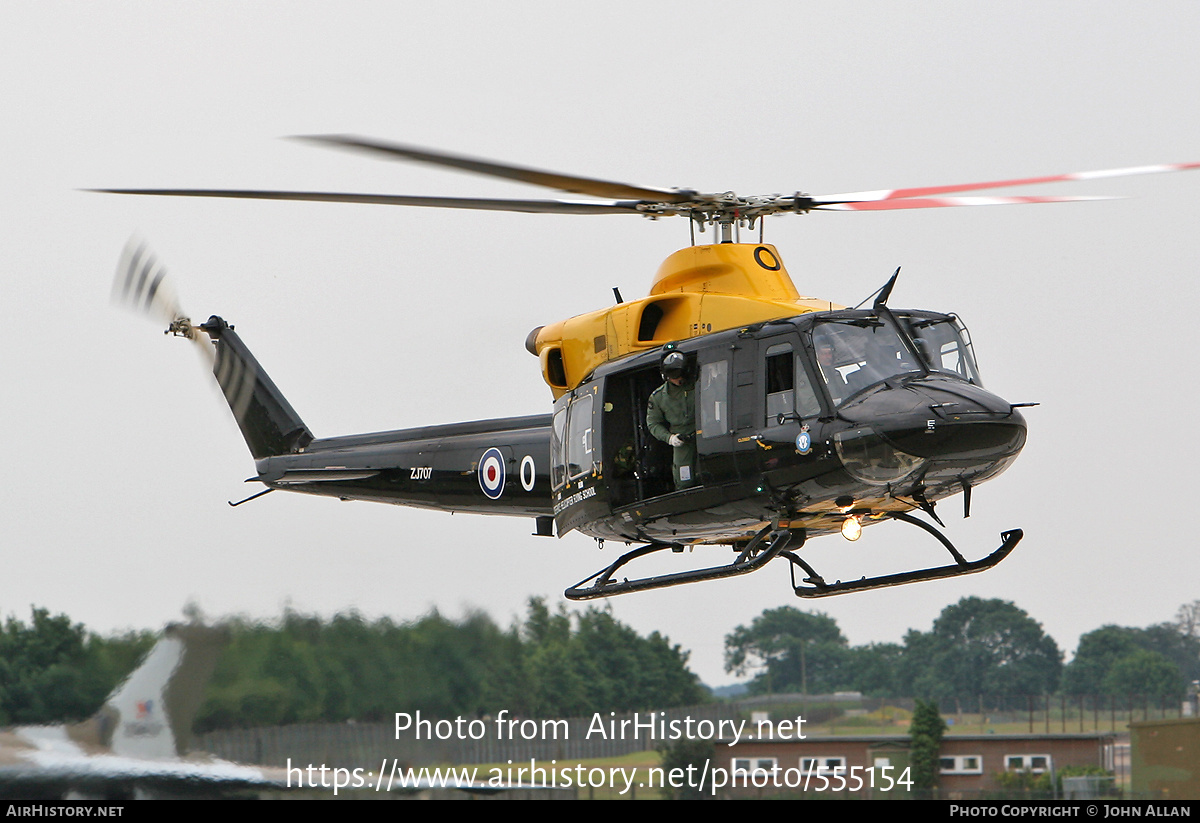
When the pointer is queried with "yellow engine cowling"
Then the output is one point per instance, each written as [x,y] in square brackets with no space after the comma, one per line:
[697,290]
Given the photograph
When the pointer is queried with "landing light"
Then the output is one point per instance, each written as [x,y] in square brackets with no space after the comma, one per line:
[852,528]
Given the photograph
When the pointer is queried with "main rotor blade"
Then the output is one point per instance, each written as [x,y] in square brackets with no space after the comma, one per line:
[947,202]
[549,179]
[898,194]
[534,206]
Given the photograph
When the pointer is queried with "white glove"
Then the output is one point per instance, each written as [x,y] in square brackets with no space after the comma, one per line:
[675,440]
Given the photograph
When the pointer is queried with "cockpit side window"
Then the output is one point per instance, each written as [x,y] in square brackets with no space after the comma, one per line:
[807,404]
[788,389]
[780,384]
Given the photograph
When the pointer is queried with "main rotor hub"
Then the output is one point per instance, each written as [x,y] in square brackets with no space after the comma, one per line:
[727,208]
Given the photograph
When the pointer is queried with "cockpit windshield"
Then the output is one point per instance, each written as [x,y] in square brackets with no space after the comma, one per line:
[944,344]
[853,354]
[859,353]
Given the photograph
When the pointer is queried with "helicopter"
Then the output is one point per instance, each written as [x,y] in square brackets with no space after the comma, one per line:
[803,418]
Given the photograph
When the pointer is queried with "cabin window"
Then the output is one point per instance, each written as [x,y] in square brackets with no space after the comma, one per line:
[714,399]
[579,438]
[558,464]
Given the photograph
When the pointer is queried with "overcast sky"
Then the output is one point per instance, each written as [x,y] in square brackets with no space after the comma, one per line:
[121,454]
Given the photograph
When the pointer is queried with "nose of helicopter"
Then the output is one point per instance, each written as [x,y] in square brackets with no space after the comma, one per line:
[939,425]
[959,427]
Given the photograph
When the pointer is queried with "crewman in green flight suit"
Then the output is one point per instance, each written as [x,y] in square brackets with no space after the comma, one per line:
[671,416]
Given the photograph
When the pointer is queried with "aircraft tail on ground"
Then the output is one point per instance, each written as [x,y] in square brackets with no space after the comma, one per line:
[150,714]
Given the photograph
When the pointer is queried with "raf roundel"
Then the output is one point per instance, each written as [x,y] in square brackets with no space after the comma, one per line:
[491,473]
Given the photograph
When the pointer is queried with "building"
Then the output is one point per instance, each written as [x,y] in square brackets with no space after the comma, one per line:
[874,766]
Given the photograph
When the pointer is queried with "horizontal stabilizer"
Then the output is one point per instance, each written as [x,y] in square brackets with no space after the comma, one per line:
[318,476]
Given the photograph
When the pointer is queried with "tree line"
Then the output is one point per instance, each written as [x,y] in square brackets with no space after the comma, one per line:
[555,664]
[53,669]
[975,647]
[308,669]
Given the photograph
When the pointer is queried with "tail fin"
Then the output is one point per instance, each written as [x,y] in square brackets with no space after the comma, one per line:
[150,714]
[268,422]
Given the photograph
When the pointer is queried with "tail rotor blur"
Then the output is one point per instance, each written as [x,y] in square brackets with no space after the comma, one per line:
[141,284]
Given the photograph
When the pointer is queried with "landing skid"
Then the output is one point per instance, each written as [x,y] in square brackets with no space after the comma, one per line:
[762,548]
[819,588]
[771,543]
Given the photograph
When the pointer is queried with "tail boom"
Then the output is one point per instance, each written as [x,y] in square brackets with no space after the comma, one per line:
[499,466]
[488,467]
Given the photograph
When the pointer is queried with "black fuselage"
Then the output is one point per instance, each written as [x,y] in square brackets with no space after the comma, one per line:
[802,419]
